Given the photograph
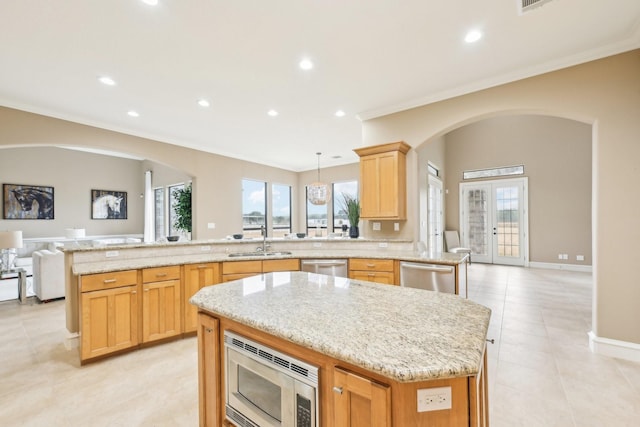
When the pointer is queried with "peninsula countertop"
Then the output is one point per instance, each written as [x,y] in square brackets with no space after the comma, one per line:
[401,333]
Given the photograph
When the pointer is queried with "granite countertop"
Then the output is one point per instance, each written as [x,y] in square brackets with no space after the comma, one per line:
[160,261]
[401,333]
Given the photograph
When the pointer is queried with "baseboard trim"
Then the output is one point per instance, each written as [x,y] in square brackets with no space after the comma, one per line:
[556,266]
[614,348]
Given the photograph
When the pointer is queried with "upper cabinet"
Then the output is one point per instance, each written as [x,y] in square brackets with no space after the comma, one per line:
[383,181]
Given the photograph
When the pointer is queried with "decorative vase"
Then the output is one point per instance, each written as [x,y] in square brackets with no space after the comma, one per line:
[354,232]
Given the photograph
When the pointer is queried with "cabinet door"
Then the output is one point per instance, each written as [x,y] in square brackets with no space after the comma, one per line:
[359,401]
[109,321]
[197,276]
[383,178]
[209,371]
[161,314]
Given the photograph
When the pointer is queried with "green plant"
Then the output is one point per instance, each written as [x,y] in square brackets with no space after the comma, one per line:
[351,206]
[182,206]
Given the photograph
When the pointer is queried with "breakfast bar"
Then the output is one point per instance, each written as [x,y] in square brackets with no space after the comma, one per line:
[400,356]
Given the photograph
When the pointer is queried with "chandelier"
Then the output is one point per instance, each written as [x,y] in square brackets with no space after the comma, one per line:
[318,192]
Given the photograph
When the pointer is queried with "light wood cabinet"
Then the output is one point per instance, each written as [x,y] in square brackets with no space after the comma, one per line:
[359,401]
[109,313]
[234,270]
[161,303]
[383,181]
[196,277]
[372,270]
[209,370]
[271,265]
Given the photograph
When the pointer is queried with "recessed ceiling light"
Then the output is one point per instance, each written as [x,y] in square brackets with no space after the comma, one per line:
[106,80]
[133,113]
[272,113]
[340,113]
[473,36]
[150,2]
[306,64]
[204,103]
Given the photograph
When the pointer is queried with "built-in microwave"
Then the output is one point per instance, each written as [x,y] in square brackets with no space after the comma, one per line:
[266,388]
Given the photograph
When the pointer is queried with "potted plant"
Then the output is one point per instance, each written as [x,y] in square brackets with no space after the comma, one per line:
[351,206]
[182,207]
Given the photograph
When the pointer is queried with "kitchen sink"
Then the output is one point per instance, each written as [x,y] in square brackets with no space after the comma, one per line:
[259,253]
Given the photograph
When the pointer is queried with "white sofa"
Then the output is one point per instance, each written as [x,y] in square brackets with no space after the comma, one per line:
[48,274]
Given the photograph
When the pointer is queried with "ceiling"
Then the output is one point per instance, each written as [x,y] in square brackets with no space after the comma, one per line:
[371,58]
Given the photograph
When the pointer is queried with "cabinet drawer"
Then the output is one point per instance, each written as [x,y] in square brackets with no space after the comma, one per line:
[116,279]
[280,265]
[235,267]
[371,264]
[159,274]
[385,277]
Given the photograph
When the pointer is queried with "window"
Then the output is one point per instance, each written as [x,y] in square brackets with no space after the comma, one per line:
[493,172]
[254,207]
[349,188]
[316,220]
[281,210]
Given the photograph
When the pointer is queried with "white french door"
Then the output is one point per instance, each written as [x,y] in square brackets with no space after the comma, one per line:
[494,220]
[435,219]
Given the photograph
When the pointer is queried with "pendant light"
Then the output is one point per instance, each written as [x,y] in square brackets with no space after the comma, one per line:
[318,192]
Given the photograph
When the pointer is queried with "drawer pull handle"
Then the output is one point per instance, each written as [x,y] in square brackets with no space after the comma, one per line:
[106,281]
[492,340]
[371,265]
[161,274]
[337,390]
[371,274]
[202,266]
[133,292]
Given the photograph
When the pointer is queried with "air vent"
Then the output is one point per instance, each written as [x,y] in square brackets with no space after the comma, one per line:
[528,5]
[282,362]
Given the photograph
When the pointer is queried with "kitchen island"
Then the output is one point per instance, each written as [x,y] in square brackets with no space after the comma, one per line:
[394,356]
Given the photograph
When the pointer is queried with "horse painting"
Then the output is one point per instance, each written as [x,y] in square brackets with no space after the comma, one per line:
[32,202]
[109,206]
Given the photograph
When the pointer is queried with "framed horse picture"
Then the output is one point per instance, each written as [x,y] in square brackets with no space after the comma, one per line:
[106,204]
[27,201]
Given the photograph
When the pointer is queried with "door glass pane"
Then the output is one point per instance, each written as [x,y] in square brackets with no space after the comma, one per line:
[477,223]
[254,207]
[281,210]
[158,204]
[262,393]
[508,221]
[434,215]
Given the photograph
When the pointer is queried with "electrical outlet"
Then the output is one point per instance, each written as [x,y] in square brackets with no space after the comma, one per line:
[205,248]
[211,225]
[317,244]
[396,226]
[383,245]
[565,256]
[111,254]
[579,257]
[434,399]
[376,226]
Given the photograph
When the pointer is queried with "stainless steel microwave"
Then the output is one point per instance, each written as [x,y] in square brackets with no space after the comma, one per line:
[266,388]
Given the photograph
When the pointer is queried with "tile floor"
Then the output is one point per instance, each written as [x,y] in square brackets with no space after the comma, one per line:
[541,372]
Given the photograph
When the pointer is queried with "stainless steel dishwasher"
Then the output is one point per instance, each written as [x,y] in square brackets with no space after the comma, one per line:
[331,267]
[433,277]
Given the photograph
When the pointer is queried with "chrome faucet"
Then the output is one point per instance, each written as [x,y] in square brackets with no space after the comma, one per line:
[265,246]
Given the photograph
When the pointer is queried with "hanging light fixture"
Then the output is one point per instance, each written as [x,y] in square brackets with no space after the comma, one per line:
[318,192]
